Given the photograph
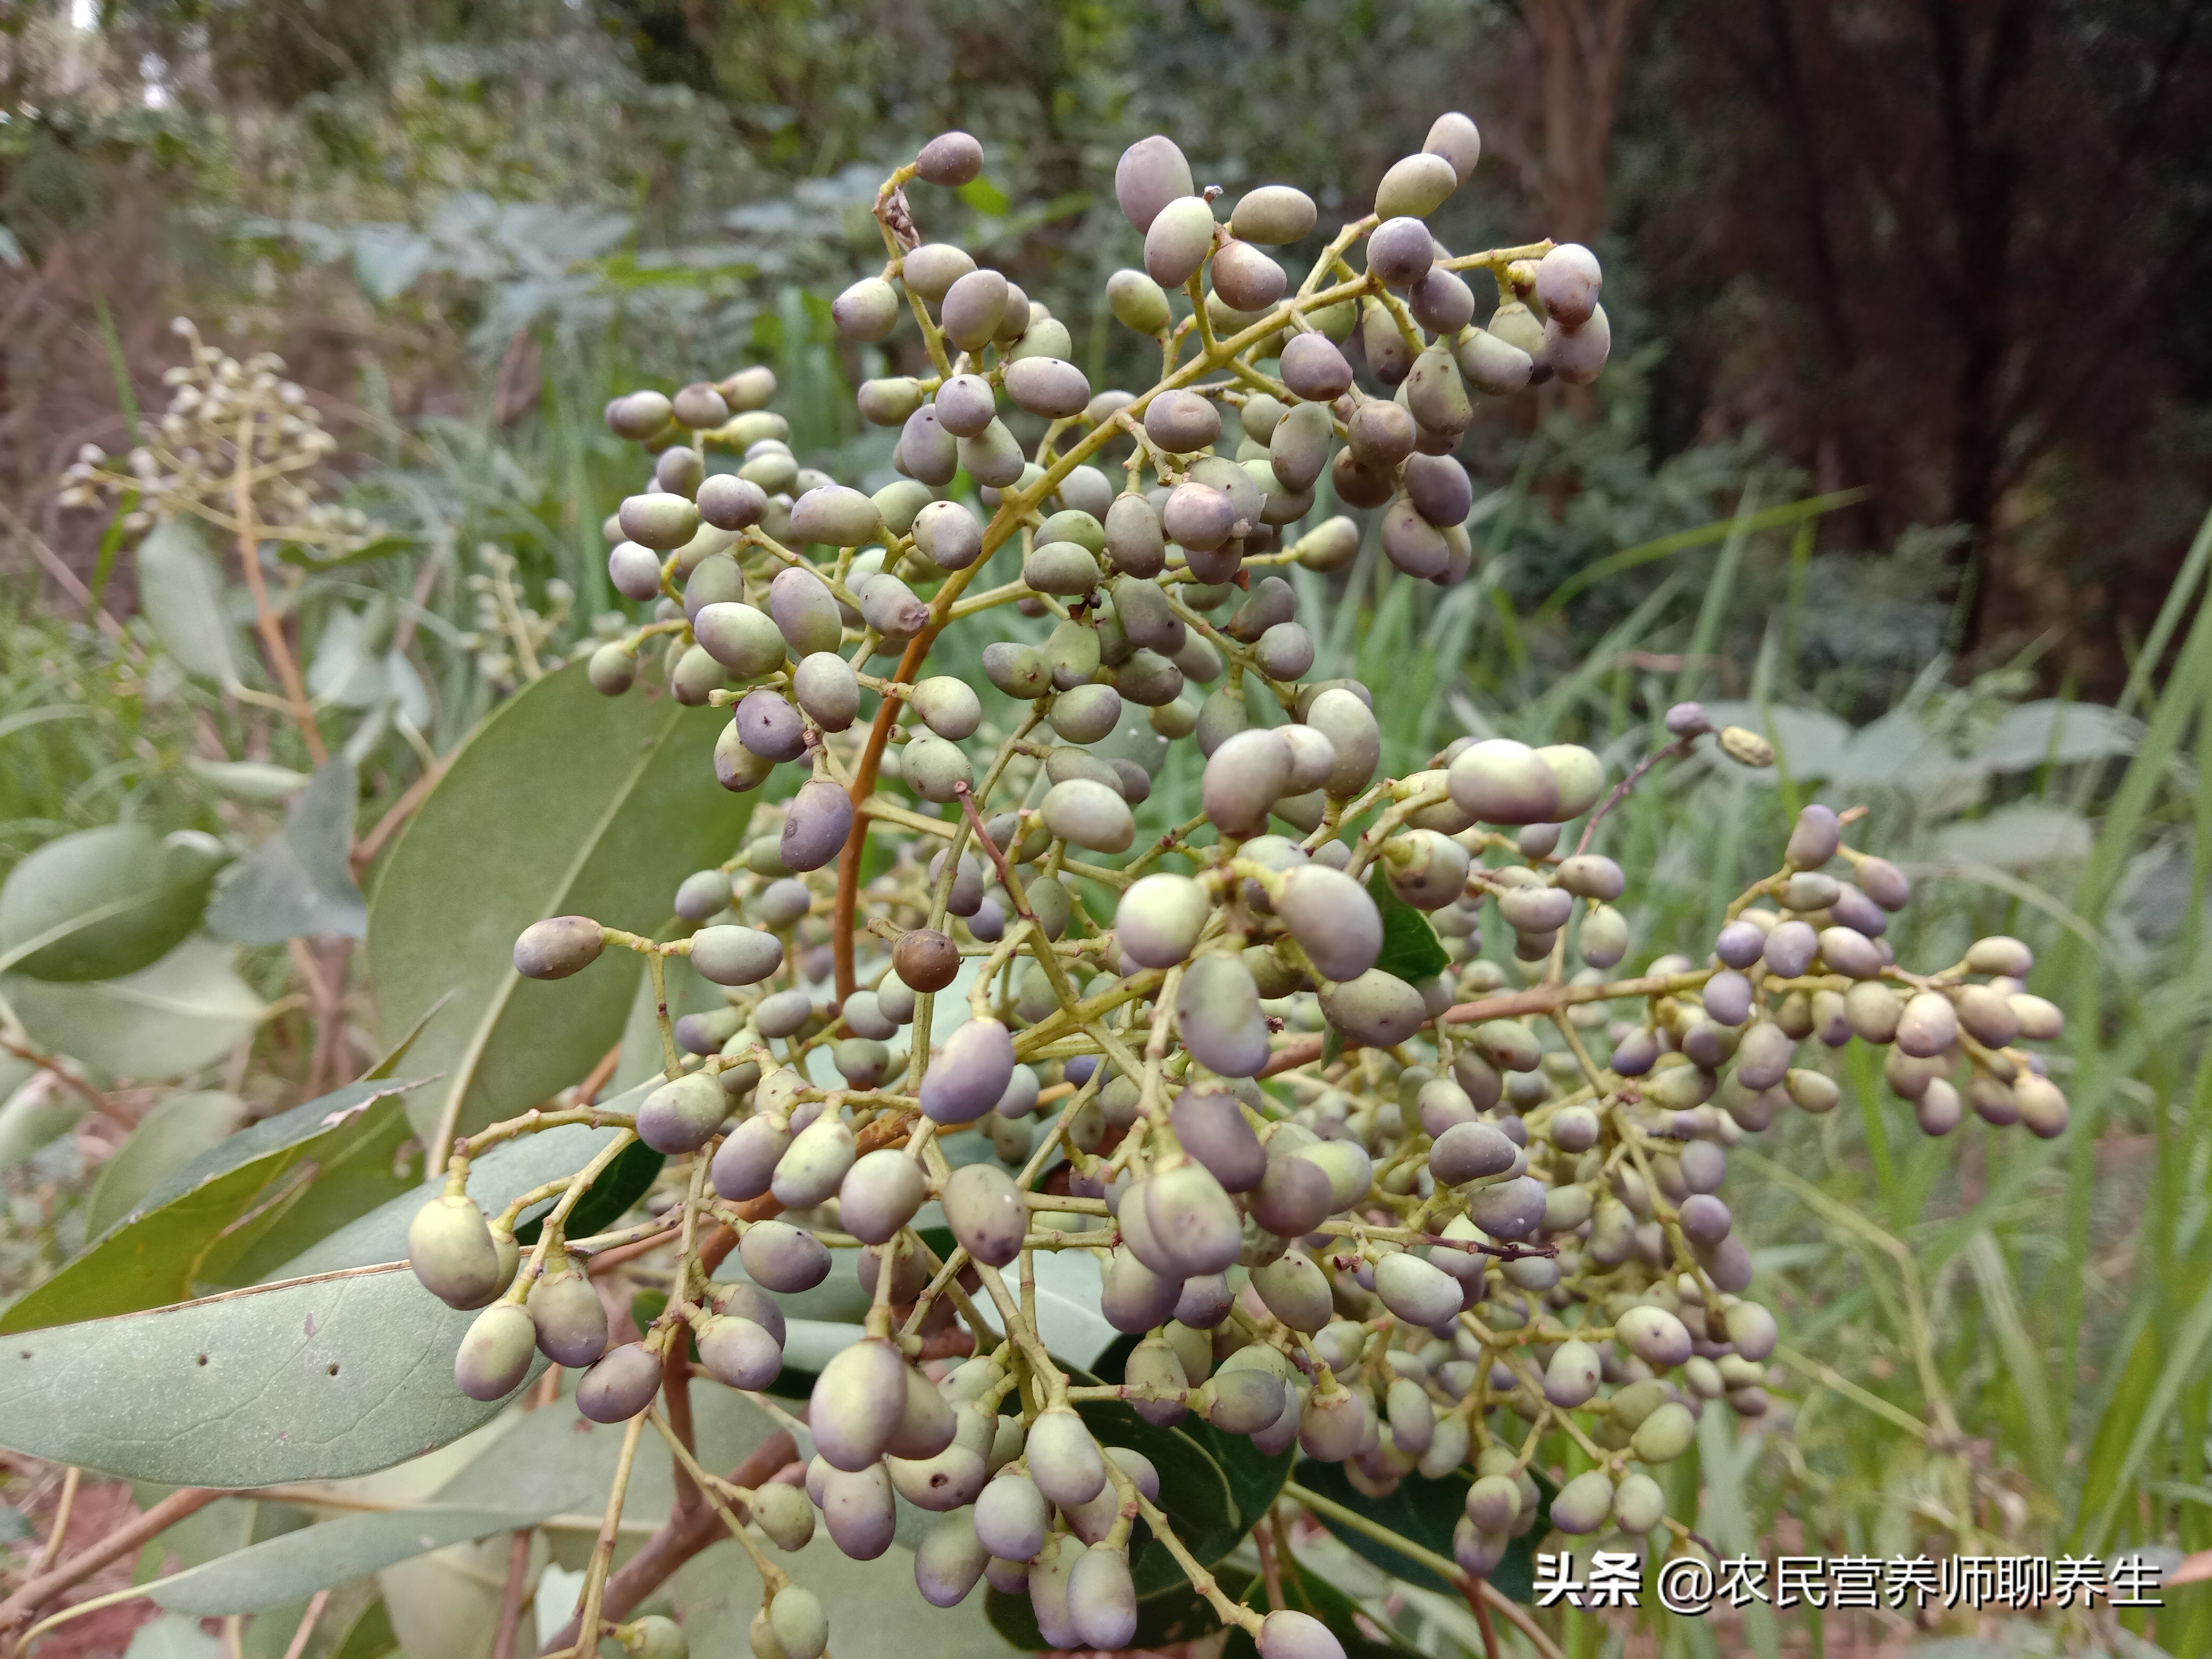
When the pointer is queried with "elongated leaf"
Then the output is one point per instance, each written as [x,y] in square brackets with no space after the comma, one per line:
[298,882]
[256,781]
[1411,949]
[180,591]
[2183,1353]
[174,1132]
[297,1564]
[564,802]
[501,1175]
[310,1379]
[1421,1511]
[184,1012]
[618,1187]
[154,1254]
[39,1109]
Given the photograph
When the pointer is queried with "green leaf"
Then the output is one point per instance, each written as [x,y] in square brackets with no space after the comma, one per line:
[172,1134]
[101,904]
[984,196]
[154,1254]
[253,781]
[1177,1613]
[562,802]
[1194,1493]
[172,1636]
[184,1013]
[369,1635]
[39,1109]
[298,882]
[1305,1591]
[1421,1511]
[618,1187]
[497,1179]
[181,593]
[1255,1477]
[312,1379]
[297,1564]
[1411,951]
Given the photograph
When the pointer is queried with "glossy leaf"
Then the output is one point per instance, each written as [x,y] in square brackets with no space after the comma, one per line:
[310,1379]
[1411,949]
[618,1187]
[562,802]
[181,593]
[175,1132]
[184,1013]
[1422,1511]
[154,1253]
[298,882]
[297,1564]
[1194,1493]
[1177,1613]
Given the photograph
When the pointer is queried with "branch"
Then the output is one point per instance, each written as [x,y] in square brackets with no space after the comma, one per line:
[679,1539]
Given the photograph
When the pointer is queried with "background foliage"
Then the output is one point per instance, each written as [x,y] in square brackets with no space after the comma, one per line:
[1901,458]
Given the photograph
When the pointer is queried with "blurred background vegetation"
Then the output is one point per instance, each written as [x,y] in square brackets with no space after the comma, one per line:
[1903,456]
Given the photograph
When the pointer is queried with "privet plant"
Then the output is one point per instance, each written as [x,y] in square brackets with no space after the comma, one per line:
[1351,1192]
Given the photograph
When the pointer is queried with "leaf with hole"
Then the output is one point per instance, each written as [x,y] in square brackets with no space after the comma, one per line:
[310,1379]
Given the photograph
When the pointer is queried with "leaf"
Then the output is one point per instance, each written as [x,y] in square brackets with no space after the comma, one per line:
[984,196]
[1307,1591]
[41,1110]
[298,882]
[2020,837]
[2050,732]
[151,1256]
[388,258]
[875,1609]
[562,802]
[344,670]
[501,1175]
[1178,1613]
[101,904]
[172,1636]
[1255,1477]
[312,1379]
[1420,1510]
[298,1563]
[172,1134]
[1411,951]
[556,1459]
[185,1012]
[1194,1494]
[618,1187]
[254,781]
[369,1635]
[181,593]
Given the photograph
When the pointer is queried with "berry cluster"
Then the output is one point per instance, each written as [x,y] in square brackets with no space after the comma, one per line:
[1350,1191]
